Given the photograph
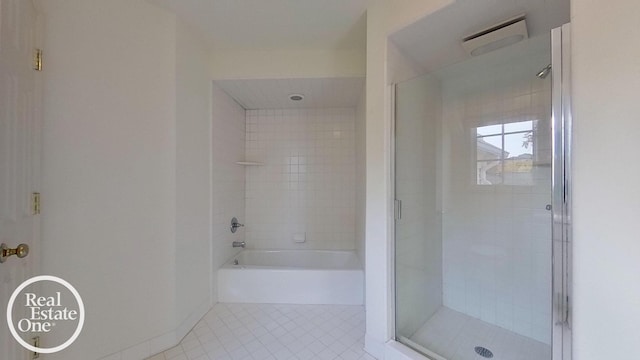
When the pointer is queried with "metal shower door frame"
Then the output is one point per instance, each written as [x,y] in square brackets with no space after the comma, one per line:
[562,240]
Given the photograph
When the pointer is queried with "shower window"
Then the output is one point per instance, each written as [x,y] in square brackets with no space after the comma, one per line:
[504,153]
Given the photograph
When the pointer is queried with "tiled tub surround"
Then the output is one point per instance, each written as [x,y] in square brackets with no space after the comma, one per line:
[306,183]
[274,332]
[292,277]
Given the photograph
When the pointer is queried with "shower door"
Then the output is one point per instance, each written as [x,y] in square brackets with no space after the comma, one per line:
[481,203]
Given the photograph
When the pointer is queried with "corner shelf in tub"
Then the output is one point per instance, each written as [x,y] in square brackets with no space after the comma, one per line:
[248,163]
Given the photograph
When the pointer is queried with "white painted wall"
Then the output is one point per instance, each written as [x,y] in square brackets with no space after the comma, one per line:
[306,183]
[193,179]
[287,64]
[228,137]
[361,176]
[109,167]
[126,173]
[606,79]
[400,67]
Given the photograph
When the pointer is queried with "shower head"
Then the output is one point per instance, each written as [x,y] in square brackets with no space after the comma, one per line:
[544,72]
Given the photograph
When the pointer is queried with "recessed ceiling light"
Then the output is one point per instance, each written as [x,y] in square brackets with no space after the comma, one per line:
[296,97]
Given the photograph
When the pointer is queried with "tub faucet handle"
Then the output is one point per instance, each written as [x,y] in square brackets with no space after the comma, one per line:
[241,244]
[235,224]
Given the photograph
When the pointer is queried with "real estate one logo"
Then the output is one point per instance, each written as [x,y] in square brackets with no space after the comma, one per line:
[40,315]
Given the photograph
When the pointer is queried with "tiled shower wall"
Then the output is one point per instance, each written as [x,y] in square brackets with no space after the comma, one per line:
[305,185]
[497,238]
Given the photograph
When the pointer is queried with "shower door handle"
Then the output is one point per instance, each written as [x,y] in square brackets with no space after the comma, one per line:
[397,209]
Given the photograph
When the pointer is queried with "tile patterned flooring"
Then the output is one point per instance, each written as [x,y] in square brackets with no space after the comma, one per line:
[454,336]
[274,332]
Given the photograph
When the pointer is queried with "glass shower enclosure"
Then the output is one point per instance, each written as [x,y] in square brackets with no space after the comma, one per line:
[481,230]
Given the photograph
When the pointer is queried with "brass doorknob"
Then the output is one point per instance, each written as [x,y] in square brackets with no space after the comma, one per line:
[21,251]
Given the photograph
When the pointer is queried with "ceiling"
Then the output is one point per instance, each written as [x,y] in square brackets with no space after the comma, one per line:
[274,93]
[275,24]
[435,41]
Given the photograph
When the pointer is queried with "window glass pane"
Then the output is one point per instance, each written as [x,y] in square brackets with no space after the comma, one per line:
[489,147]
[505,158]
[489,172]
[518,126]
[518,172]
[518,146]
[489,130]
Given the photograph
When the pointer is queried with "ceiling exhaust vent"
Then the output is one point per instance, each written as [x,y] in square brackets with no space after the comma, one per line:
[497,36]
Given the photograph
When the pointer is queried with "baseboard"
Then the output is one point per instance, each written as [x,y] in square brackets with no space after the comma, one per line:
[187,324]
[163,342]
[145,349]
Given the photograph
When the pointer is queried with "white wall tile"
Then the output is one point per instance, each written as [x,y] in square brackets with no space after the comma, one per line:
[497,247]
[306,183]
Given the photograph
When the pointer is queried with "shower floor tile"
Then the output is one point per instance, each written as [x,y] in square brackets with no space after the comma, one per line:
[454,336]
[274,332]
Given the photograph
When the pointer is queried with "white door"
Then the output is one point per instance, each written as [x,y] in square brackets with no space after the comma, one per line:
[20,126]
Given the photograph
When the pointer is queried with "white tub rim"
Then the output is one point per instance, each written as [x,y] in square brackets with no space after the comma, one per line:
[229,264]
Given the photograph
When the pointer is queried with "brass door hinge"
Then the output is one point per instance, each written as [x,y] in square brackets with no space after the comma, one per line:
[37,60]
[35,203]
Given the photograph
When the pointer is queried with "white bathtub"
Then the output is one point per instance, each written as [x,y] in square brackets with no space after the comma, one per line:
[292,277]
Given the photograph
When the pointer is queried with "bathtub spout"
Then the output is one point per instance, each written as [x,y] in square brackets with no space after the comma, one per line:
[241,244]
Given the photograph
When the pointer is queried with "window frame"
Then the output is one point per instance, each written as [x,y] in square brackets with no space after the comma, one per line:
[476,136]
